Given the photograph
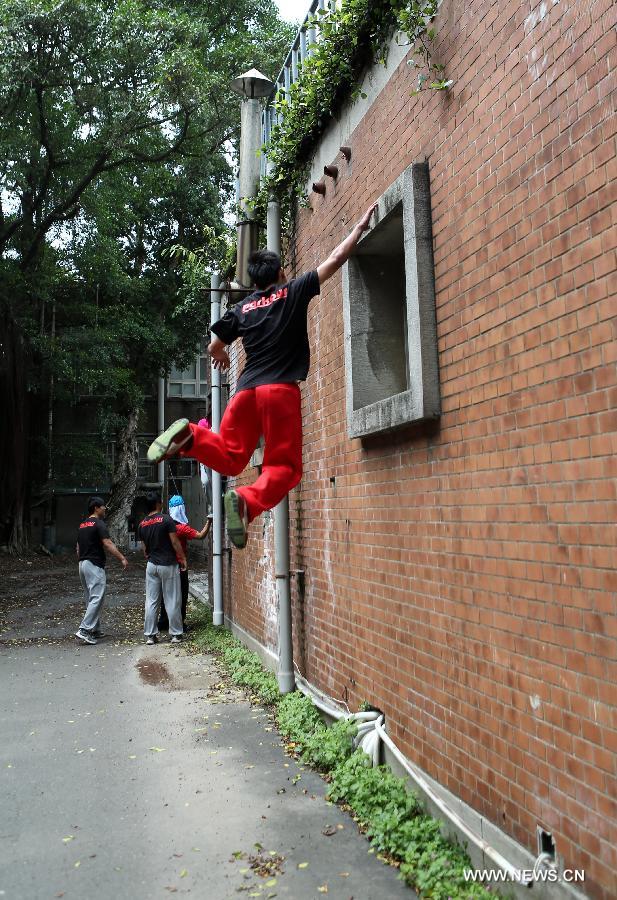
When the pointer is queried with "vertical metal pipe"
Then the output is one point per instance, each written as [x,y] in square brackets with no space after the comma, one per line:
[250,142]
[160,471]
[285,674]
[294,65]
[217,500]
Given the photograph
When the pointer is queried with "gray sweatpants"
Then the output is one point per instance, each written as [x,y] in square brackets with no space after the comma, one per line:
[94,583]
[163,582]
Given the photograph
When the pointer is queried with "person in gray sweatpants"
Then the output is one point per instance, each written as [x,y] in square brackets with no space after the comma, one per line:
[92,542]
[166,559]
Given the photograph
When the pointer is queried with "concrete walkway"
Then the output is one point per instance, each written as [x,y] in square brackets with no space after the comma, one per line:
[136,772]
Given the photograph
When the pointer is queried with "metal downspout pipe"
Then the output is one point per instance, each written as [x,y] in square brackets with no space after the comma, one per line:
[217,499]
[285,674]
[251,86]
[160,469]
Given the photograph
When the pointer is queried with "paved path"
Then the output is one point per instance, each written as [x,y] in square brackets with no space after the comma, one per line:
[136,772]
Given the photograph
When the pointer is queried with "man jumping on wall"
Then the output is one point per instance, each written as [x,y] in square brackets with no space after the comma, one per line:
[272,323]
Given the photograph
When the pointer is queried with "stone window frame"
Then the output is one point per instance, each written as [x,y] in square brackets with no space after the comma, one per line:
[420,400]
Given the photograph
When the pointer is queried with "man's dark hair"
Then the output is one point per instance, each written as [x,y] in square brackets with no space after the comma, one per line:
[153,498]
[94,502]
[264,267]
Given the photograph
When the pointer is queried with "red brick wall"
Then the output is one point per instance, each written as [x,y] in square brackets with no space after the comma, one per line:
[461,576]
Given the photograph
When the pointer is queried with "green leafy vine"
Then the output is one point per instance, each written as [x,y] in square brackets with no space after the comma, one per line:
[351,38]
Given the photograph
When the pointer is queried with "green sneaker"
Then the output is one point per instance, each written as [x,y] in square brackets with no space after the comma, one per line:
[237,519]
[170,441]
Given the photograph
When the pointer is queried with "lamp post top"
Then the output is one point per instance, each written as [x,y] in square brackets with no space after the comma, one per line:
[252,85]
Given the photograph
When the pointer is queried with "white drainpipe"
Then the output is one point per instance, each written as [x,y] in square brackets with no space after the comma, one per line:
[161,422]
[217,501]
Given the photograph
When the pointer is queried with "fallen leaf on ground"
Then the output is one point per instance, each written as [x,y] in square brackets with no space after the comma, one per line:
[184,873]
[329,831]
[323,888]
[157,749]
[69,837]
[302,865]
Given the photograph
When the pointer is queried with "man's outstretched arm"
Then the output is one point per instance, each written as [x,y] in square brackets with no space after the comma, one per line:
[342,253]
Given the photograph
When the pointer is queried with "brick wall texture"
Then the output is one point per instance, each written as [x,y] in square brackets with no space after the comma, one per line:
[460,575]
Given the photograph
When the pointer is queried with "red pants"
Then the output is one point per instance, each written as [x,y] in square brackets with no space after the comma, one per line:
[272,410]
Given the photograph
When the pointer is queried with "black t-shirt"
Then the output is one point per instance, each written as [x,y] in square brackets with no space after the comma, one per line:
[272,325]
[154,531]
[90,536]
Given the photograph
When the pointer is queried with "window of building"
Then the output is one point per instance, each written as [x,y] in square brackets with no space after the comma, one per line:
[192,381]
[180,469]
[389,305]
[146,471]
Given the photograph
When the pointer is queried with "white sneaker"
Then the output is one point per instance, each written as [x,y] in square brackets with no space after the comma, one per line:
[152,639]
[176,639]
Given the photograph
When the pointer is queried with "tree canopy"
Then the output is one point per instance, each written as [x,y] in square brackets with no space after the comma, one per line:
[116,128]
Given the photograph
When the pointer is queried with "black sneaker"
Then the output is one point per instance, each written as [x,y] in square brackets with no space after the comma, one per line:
[85,637]
[237,519]
[170,441]
[99,634]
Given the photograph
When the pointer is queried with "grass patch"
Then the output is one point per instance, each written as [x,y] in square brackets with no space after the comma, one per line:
[390,815]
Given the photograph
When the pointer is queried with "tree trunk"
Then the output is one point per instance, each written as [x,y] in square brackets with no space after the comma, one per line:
[124,481]
[14,449]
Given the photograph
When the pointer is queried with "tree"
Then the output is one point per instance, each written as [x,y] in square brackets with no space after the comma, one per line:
[114,121]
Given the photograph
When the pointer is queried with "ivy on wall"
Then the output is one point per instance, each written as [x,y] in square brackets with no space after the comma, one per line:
[352,37]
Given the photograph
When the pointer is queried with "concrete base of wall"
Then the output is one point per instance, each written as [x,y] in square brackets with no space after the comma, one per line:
[517,855]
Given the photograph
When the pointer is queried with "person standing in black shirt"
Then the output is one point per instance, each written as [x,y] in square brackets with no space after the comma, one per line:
[92,541]
[163,550]
[272,324]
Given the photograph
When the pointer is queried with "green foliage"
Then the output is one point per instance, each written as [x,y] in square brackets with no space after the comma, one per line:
[325,748]
[246,669]
[375,794]
[115,125]
[435,867]
[297,716]
[351,36]
[396,825]
[80,461]
[390,814]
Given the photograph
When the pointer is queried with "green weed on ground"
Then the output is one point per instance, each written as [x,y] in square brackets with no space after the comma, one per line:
[389,814]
